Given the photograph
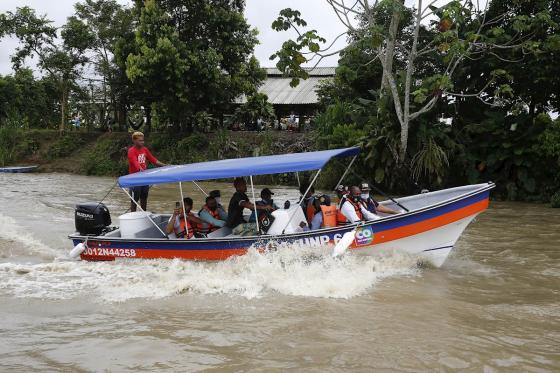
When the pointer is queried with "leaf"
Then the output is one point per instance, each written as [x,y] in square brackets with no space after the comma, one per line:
[379,175]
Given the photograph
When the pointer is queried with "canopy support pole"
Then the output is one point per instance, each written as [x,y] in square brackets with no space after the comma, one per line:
[202,190]
[184,211]
[254,204]
[149,217]
[297,177]
[302,197]
[345,172]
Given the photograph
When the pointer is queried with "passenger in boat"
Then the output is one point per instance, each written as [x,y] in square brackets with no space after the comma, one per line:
[325,213]
[213,216]
[353,210]
[138,158]
[218,197]
[266,199]
[306,201]
[371,204]
[177,224]
[238,202]
[340,191]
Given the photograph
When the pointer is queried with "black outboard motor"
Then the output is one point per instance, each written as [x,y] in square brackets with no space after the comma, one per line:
[91,218]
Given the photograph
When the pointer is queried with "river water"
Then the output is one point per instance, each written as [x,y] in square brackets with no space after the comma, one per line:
[494,306]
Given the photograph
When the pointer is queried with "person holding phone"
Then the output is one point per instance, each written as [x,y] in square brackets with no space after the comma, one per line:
[178,225]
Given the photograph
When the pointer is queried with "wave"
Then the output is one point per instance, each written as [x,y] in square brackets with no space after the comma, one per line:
[16,241]
[291,270]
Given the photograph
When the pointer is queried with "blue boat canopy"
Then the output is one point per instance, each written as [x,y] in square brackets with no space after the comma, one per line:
[265,165]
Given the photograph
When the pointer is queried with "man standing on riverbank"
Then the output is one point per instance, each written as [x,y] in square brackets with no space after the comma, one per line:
[138,158]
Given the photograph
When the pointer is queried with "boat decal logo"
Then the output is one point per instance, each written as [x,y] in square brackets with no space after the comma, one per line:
[364,236]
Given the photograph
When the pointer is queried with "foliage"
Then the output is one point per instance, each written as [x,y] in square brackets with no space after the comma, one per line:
[507,138]
[106,157]
[65,145]
[14,144]
[186,73]
[419,61]
[256,107]
[62,60]
[555,200]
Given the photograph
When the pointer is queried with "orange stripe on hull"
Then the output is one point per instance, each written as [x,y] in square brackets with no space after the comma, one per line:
[429,224]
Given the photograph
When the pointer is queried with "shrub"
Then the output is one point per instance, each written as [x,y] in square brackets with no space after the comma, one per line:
[15,144]
[555,200]
[65,146]
[107,157]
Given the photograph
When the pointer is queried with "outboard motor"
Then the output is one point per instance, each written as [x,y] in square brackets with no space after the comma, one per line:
[91,218]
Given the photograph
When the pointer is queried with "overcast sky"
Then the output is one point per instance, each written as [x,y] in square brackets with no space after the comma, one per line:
[260,14]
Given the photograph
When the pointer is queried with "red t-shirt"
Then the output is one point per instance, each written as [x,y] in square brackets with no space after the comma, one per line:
[138,158]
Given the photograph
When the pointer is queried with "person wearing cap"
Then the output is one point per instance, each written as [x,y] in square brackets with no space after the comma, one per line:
[372,205]
[340,191]
[266,200]
[352,209]
[138,158]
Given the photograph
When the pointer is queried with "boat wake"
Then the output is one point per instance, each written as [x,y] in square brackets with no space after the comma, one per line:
[291,270]
[15,241]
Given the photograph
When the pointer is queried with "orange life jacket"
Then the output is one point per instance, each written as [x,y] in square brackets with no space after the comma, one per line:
[310,210]
[341,219]
[182,232]
[329,216]
[206,228]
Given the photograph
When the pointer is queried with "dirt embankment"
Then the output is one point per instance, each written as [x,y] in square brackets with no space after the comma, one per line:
[104,154]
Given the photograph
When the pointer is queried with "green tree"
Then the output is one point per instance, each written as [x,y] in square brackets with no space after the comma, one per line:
[191,57]
[112,28]
[61,60]
[403,43]
[256,107]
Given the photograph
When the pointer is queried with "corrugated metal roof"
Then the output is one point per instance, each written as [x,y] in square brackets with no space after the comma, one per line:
[277,87]
[317,71]
[279,91]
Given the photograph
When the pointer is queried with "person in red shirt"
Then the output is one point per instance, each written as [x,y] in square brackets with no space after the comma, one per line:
[138,158]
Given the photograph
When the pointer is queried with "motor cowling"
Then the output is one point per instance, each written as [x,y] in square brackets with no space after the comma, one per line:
[91,218]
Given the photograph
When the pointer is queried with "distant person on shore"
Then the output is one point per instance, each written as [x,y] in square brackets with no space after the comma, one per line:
[138,158]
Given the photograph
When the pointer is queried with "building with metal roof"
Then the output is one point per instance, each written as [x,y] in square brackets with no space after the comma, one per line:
[277,87]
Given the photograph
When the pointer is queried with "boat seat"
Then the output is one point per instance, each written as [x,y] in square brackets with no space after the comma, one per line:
[222,232]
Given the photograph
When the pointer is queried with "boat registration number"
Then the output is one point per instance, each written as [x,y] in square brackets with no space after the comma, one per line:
[109,252]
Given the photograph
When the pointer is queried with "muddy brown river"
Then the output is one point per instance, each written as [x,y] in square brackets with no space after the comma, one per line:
[494,306]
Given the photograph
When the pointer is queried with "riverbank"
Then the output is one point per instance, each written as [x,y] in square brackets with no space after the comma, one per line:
[104,154]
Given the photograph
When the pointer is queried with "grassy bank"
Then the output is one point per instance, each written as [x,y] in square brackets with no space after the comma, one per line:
[104,154]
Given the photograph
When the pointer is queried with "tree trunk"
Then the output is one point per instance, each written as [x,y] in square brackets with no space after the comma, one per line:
[390,46]
[148,124]
[63,105]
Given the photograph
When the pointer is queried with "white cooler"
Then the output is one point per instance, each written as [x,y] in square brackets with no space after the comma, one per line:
[134,222]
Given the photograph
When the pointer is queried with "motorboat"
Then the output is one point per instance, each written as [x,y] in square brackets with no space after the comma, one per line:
[18,169]
[428,225]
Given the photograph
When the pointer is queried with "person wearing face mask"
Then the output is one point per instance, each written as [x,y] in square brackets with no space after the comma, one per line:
[372,205]
[353,210]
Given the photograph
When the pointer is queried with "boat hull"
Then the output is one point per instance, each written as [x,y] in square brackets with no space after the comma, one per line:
[430,232]
[18,170]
